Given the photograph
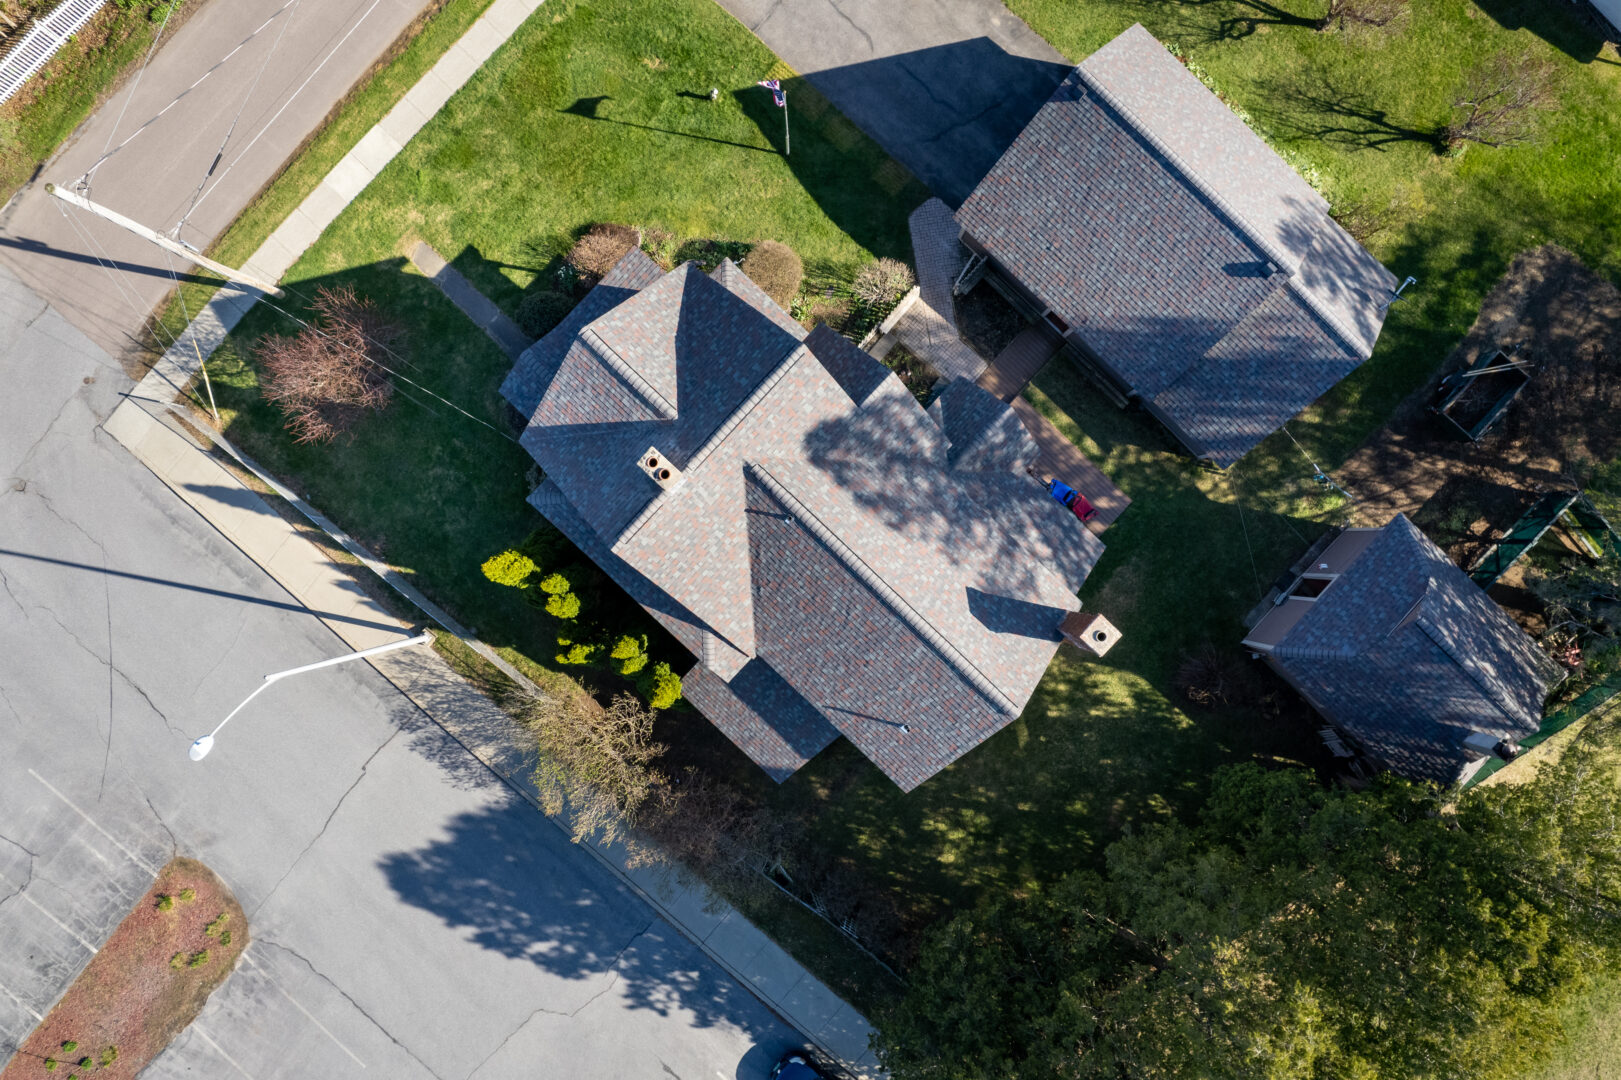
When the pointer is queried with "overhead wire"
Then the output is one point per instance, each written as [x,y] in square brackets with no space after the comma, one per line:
[272,121]
[384,367]
[237,119]
[86,178]
[134,86]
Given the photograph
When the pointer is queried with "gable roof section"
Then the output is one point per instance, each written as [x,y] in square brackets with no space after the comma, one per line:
[539,363]
[1179,247]
[984,434]
[1409,656]
[1279,357]
[889,557]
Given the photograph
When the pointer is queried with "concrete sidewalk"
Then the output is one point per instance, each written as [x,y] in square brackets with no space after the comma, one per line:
[734,943]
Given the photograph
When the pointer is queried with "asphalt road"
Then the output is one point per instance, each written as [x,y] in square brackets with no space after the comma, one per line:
[943,85]
[316,49]
[411,917]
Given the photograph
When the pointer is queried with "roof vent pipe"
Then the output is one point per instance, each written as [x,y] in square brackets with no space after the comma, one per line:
[659,469]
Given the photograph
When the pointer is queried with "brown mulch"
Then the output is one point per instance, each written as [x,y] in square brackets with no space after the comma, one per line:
[129,1002]
[1568,320]
[986,320]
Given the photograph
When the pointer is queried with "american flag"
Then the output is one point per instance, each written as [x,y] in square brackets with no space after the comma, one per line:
[777,93]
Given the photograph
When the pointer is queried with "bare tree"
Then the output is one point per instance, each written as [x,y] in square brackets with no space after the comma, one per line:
[1501,100]
[328,375]
[1364,12]
[600,765]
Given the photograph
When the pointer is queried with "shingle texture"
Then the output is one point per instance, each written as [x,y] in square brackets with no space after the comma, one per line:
[1180,249]
[818,553]
[1408,656]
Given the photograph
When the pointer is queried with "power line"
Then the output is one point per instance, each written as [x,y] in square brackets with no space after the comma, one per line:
[271,122]
[238,118]
[1322,478]
[384,367]
[134,86]
[84,180]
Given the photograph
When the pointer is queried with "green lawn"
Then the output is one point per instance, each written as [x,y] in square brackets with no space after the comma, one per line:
[58,99]
[598,111]
[593,112]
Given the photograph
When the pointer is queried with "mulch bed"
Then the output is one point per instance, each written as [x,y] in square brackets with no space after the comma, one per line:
[1463,494]
[146,984]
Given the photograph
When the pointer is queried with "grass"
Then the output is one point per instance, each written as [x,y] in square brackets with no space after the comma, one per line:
[54,102]
[593,112]
[596,112]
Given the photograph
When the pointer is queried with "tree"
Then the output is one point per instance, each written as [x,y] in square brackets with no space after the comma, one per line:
[1293,931]
[1365,12]
[1582,600]
[601,765]
[776,269]
[562,602]
[631,653]
[661,686]
[1501,100]
[332,372]
[882,282]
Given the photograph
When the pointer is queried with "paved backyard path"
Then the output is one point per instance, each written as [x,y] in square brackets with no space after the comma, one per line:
[943,85]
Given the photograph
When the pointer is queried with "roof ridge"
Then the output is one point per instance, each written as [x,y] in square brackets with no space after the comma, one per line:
[1187,172]
[1347,338]
[621,367]
[885,592]
[718,436]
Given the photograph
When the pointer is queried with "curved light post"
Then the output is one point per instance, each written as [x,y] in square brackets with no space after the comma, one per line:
[202,746]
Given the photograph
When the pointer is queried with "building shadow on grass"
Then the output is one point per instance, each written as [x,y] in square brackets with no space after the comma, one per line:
[945,113]
[505,879]
[1577,30]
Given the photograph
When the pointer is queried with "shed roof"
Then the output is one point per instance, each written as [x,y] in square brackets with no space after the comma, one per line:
[1408,656]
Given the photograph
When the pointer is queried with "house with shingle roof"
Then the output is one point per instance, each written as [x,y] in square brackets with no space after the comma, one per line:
[837,560]
[1186,265]
[1410,662]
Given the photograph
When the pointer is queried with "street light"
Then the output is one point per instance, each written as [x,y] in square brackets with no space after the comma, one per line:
[202,746]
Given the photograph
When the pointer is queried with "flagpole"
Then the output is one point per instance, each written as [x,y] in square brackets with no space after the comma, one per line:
[787,145]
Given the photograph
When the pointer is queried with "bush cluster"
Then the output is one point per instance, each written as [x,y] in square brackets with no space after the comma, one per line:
[600,248]
[776,269]
[581,642]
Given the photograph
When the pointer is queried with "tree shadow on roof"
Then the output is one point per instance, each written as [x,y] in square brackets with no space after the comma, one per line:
[945,113]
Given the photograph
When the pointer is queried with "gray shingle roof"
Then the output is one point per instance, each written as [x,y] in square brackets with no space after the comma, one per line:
[818,555]
[1179,247]
[1408,656]
[983,433]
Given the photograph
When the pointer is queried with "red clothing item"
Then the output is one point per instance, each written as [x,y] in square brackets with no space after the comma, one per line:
[1081,508]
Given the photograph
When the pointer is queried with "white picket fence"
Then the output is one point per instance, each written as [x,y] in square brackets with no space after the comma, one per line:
[41,41]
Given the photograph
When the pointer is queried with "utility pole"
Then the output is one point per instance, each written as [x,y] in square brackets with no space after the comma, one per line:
[229,273]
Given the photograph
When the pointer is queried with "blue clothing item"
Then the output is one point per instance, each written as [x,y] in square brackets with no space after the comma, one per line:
[1061,491]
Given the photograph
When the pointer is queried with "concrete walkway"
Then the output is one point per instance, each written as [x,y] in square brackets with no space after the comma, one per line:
[943,85]
[474,304]
[928,327]
[734,943]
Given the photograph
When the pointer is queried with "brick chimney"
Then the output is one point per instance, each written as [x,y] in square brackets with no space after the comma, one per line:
[1089,632]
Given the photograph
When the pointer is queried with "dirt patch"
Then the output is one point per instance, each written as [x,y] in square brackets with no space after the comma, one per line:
[915,374]
[146,984]
[987,321]
[1567,321]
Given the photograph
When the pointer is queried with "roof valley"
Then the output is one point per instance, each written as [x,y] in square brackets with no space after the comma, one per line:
[894,600]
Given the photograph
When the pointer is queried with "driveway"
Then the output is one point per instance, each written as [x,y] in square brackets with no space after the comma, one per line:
[943,85]
[410,917]
[316,50]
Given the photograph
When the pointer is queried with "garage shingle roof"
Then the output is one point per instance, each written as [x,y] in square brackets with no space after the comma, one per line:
[1408,656]
[1179,248]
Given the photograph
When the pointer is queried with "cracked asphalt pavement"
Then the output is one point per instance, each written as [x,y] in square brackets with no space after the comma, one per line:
[410,916]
